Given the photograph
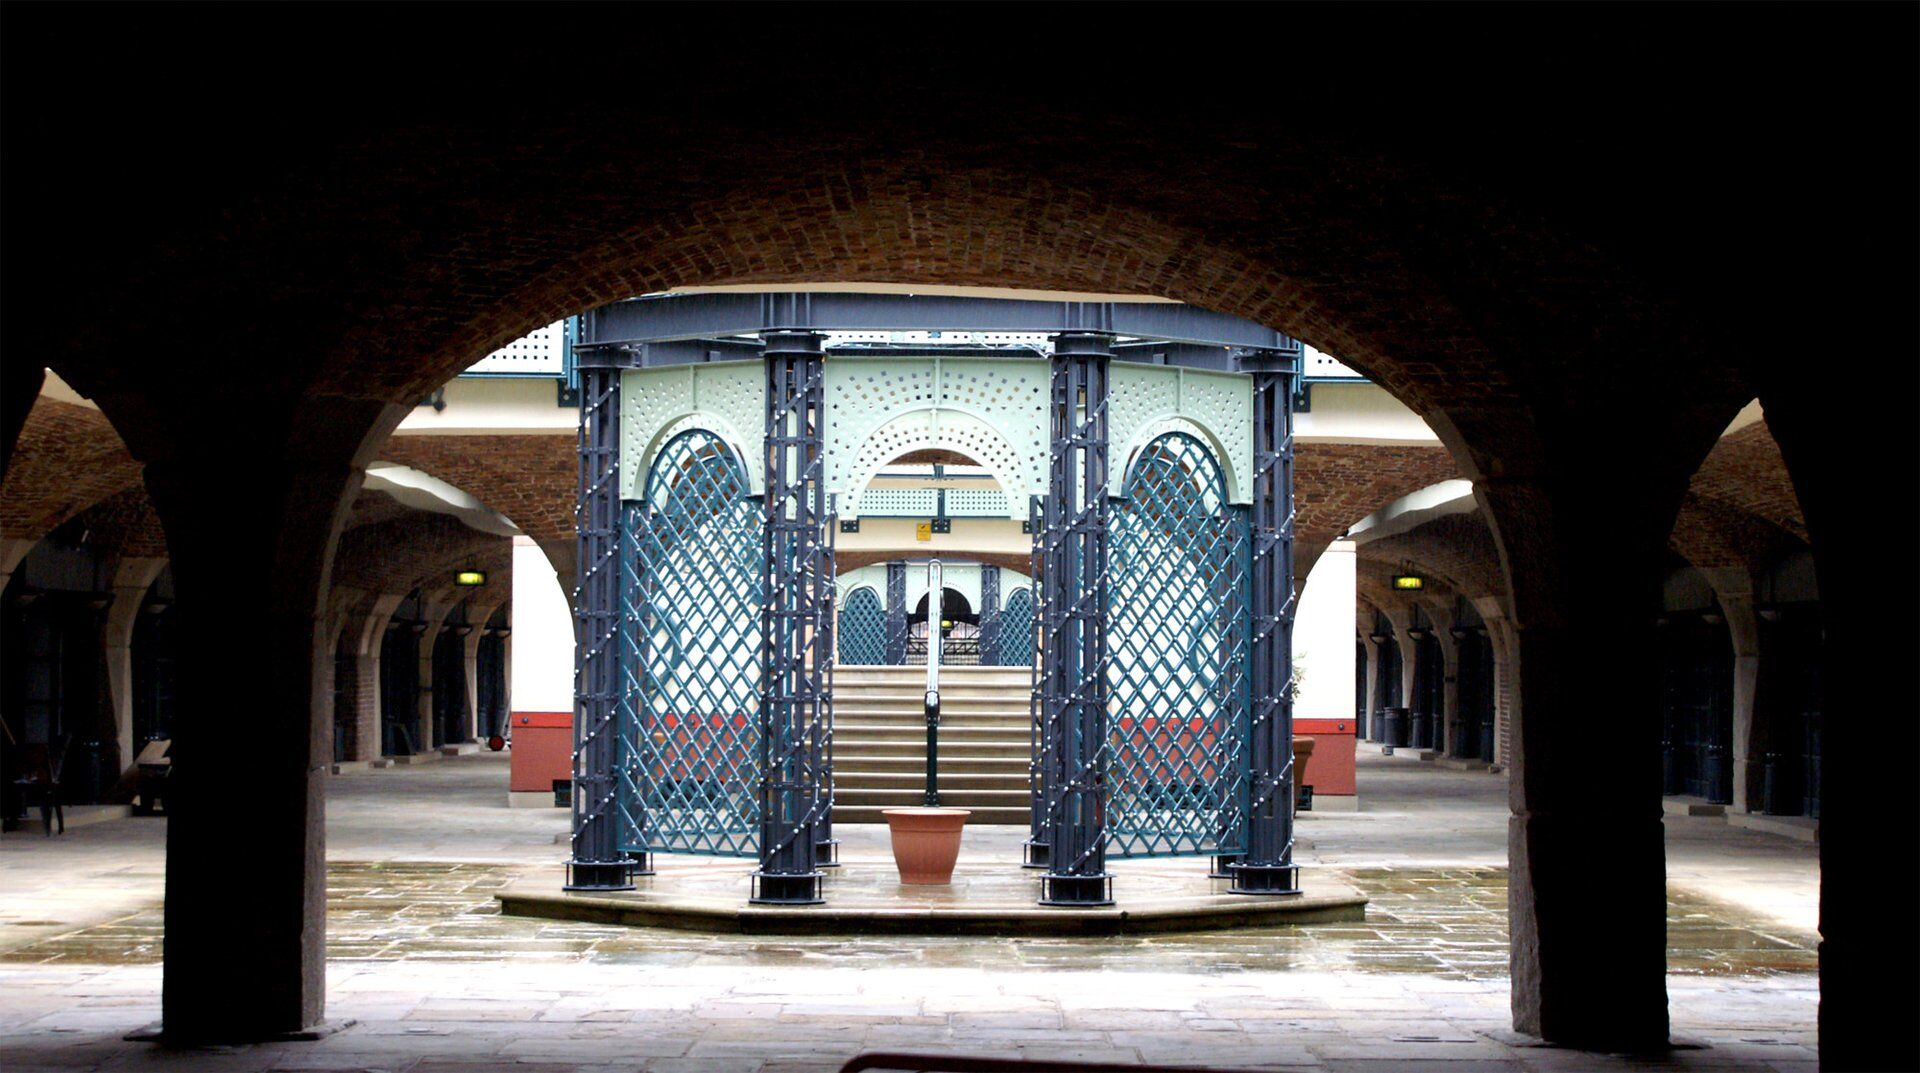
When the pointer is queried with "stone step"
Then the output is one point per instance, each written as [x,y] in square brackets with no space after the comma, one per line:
[906,797]
[1014,724]
[948,749]
[916,697]
[959,732]
[981,817]
[869,761]
[907,780]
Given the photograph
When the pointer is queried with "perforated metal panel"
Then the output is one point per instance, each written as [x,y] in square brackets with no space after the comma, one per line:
[1177,658]
[541,352]
[975,503]
[1149,401]
[690,706]
[992,411]
[900,502]
[725,399]
[863,629]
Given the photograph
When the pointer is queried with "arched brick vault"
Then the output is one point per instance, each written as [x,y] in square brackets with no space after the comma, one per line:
[1337,484]
[1746,472]
[67,459]
[531,479]
[1457,548]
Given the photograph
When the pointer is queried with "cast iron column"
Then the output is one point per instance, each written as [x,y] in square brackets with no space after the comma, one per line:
[1074,668]
[1267,867]
[794,655]
[989,615]
[597,862]
[896,655]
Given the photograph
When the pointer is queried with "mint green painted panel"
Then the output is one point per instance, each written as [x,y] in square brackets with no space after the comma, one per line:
[726,398]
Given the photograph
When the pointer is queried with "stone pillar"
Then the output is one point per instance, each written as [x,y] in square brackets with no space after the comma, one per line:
[470,652]
[246,795]
[372,632]
[1830,433]
[132,577]
[1586,850]
[1073,681]
[1733,587]
[434,610]
[1440,613]
[1373,698]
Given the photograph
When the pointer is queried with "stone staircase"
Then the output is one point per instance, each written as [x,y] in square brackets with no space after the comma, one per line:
[880,741]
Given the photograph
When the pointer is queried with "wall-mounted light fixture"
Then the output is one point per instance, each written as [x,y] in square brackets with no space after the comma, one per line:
[470,578]
[1409,581]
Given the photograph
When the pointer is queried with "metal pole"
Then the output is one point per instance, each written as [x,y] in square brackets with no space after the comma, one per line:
[1074,685]
[596,862]
[990,639]
[794,654]
[936,607]
[896,655]
[1267,867]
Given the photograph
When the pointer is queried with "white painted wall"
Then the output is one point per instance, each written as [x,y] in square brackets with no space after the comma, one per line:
[1323,637]
[542,634]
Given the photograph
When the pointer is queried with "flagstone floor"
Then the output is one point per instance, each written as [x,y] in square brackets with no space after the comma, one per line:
[437,980]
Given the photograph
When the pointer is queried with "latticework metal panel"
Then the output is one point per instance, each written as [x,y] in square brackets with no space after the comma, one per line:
[863,629]
[989,640]
[1177,658]
[1016,630]
[691,730]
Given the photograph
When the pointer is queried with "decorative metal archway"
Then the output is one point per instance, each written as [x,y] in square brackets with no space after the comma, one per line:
[1176,748]
[689,707]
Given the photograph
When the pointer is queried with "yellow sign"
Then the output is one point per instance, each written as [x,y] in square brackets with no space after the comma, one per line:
[1409,581]
[470,577]
[923,531]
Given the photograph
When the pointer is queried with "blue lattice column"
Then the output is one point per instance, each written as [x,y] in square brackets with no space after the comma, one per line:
[989,615]
[896,614]
[597,862]
[796,652]
[1073,685]
[1267,867]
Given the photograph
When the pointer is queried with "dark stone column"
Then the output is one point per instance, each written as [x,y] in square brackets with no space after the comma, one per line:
[1267,867]
[597,862]
[1587,887]
[896,614]
[796,652]
[1073,680]
[252,738]
[989,615]
[1869,803]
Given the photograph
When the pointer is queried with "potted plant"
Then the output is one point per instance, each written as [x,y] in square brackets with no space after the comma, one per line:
[926,842]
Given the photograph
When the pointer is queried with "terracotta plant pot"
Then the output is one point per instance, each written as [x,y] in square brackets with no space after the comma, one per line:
[1302,752]
[926,842]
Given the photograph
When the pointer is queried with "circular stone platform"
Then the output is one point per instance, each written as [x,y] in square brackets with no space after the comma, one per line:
[990,895]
